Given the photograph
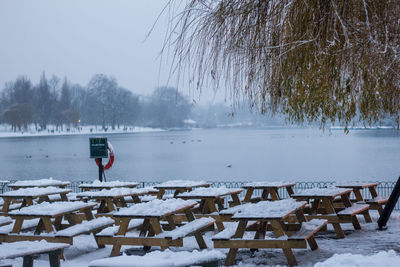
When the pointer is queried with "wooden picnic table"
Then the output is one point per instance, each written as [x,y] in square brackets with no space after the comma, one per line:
[151,232]
[179,186]
[268,188]
[115,197]
[322,207]
[38,183]
[97,185]
[29,194]
[268,216]
[45,212]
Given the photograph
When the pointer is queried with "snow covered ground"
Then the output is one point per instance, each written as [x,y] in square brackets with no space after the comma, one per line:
[366,247]
[5,131]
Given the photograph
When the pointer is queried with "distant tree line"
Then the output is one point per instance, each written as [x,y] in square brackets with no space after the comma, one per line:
[102,102]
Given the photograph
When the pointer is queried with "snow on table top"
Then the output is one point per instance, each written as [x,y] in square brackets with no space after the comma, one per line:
[352,184]
[269,209]
[109,184]
[35,191]
[383,258]
[51,209]
[181,184]
[268,184]
[41,182]
[114,192]
[155,208]
[330,191]
[21,248]
[164,258]
[209,192]
[186,229]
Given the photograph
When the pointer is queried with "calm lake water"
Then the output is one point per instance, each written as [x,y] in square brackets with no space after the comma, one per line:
[211,154]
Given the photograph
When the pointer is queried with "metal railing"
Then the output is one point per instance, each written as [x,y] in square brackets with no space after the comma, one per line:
[384,189]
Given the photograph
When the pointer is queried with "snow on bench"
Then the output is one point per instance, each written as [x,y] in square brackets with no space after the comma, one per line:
[111,184]
[321,192]
[188,228]
[22,248]
[181,183]
[114,192]
[268,184]
[27,224]
[35,192]
[235,209]
[308,229]
[230,230]
[5,220]
[377,200]
[164,258]
[86,227]
[354,209]
[113,230]
[51,209]
[155,208]
[209,192]
[39,183]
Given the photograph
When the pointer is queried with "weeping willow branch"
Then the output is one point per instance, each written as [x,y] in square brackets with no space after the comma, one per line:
[313,60]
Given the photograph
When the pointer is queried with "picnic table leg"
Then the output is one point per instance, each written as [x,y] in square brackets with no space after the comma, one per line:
[54,257]
[314,206]
[102,207]
[47,224]
[373,192]
[260,233]
[136,199]
[88,214]
[219,203]
[357,193]
[274,193]
[264,194]
[277,227]
[160,193]
[248,195]
[155,225]
[29,202]
[64,197]
[230,258]
[171,222]
[211,208]
[123,228]
[28,261]
[145,229]
[6,205]
[290,190]
[331,210]
[17,225]
[199,237]
[57,222]
[110,204]
[236,200]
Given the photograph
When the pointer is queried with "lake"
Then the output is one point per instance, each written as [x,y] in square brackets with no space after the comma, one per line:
[211,154]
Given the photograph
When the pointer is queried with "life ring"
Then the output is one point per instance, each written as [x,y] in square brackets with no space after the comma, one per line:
[110,160]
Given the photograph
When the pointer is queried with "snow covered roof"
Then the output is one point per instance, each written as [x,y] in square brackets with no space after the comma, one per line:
[110,184]
[155,208]
[51,209]
[321,192]
[114,192]
[181,184]
[39,183]
[268,184]
[210,192]
[269,209]
[35,191]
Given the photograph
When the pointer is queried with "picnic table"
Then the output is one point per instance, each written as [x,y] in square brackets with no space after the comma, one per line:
[29,194]
[39,183]
[179,186]
[272,230]
[110,199]
[151,232]
[97,185]
[376,202]
[268,188]
[322,206]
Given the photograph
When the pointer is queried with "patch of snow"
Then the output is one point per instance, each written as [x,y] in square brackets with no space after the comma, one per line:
[51,209]
[85,226]
[181,183]
[209,192]
[268,184]
[16,249]
[36,191]
[114,192]
[380,259]
[110,184]
[40,182]
[186,229]
[113,230]
[330,191]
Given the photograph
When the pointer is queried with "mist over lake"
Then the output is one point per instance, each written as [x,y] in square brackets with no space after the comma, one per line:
[211,154]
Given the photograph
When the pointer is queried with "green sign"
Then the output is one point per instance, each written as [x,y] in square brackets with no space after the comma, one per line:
[98,147]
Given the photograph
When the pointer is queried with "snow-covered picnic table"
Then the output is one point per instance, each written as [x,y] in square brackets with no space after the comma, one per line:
[152,233]
[116,197]
[268,188]
[97,185]
[29,194]
[39,183]
[265,216]
[333,204]
[179,186]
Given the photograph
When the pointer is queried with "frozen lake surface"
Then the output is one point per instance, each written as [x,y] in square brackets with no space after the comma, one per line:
[211,154]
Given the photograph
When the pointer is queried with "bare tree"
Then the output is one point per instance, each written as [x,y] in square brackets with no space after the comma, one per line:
[317,60]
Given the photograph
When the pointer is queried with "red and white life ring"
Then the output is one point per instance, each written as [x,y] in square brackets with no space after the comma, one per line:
[110,160]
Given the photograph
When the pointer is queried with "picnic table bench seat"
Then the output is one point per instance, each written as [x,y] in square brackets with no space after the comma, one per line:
[230,230]
[28,249]
[113,230]
[5,220]
[376,203]
[187,229]
[166,258]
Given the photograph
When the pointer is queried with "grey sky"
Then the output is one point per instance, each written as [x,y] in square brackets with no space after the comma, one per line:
[78,38]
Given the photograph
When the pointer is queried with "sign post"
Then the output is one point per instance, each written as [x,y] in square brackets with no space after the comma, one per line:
[99,150]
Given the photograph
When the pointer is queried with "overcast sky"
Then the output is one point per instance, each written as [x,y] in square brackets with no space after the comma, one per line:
[78,38]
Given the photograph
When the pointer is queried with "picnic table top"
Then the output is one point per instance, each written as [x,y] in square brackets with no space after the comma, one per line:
[155,208]
[116,192]
[39,183]
[209,192]
[356,185]
[331,192]
[23,248]
[51,209]
[279,209]
[111,184]
[264,185]
[181,184]
[34,192]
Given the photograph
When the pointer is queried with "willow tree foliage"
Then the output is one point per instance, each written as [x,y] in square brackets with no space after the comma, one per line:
[313,60]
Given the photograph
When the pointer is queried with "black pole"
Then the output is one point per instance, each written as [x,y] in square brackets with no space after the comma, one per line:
[100,169]
[394,196]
